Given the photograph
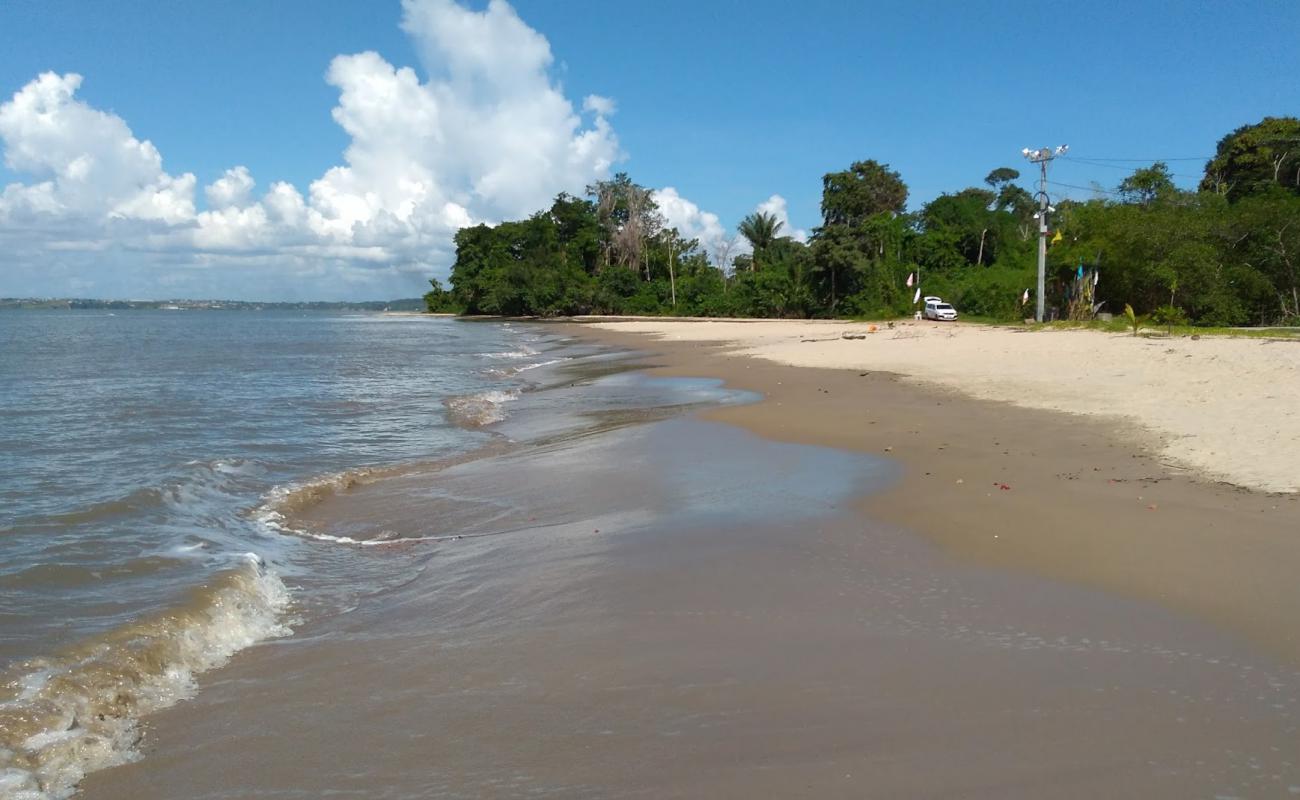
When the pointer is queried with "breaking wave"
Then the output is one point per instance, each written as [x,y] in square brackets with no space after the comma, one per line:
[480,410]
[64,716]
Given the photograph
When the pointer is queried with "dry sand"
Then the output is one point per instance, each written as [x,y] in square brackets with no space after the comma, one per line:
[1228,408]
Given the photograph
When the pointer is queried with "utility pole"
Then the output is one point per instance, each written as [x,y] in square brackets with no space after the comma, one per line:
[1041,157]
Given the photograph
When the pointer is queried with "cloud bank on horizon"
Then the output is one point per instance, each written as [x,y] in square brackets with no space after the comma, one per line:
[487,136]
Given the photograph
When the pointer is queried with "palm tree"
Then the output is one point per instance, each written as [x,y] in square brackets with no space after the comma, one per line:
[761,229]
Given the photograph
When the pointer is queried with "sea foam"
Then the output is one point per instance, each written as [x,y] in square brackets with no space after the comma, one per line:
[64,716]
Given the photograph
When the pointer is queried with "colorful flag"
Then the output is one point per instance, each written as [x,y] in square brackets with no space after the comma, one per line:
[1058,237]
[917,298]
[910,277]
[1024,298]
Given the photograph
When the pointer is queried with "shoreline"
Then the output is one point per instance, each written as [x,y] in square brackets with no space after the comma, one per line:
[1218,406]
[676,597]
[1110,514]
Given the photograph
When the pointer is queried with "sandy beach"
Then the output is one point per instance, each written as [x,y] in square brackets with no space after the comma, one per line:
[1222,407]
[857,585]
[1124,490]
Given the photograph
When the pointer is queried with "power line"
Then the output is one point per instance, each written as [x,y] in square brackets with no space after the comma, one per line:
[1152,160]
[1095,163]
[1086,189]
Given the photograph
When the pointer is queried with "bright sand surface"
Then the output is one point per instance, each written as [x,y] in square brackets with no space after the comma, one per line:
[1227,408]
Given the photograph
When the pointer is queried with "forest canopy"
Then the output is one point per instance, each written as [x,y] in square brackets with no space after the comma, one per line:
[1227,253]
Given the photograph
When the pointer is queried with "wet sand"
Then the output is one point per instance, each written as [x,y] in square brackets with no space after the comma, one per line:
[1089,500]
[687,609]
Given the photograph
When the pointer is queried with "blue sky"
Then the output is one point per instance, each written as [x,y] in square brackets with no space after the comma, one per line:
[727,102]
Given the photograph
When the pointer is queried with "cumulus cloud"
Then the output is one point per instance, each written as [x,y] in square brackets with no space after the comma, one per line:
[233,189]
[777,207]
[485,135]
[693,222]
[481,133]
[86,162]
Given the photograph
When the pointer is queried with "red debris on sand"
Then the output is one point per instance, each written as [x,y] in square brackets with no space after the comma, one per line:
[1002,486]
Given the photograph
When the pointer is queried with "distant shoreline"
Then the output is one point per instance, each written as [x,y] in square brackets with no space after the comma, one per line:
[85,304]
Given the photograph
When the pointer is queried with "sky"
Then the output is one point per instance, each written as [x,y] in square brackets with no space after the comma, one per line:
[308,149]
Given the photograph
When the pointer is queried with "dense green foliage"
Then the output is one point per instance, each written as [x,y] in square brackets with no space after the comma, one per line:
[1227,254]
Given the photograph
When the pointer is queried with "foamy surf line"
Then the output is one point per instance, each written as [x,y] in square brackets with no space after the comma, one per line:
[65,716]
[547,363]
[482,409]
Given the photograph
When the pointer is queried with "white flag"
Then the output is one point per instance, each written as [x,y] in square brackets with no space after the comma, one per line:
[910,276]
[1024,298]
[916,299]
[1096,276]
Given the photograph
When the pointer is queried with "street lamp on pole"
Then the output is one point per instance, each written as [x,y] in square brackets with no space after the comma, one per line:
[1040,157]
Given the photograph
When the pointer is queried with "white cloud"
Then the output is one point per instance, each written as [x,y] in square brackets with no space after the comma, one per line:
[693,222]
[603,106]
[87,162]
[233,189]
[486,135]
[776,206]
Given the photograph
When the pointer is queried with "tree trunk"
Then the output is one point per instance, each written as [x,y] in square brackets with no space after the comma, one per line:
[672,278]
[1277,165]
[979,262]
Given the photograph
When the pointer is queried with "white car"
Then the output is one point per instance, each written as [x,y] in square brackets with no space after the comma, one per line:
[937,309]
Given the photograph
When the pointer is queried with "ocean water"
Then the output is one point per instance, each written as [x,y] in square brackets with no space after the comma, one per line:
[151,463]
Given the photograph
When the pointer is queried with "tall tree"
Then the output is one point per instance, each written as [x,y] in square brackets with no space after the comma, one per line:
[968,218]
[1146,184]
[1001,177]
[628,217]
[1254,158]
[863,190]
[761,229]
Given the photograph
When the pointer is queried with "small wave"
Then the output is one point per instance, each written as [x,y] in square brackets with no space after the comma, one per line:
[378,541]
[549,363]
[478,410]
[513,355]
[511,371]
[274,516]
[54,576]
[199,486]
[293,498]
[208,484]
[288,501]
[68,715]
[134,502]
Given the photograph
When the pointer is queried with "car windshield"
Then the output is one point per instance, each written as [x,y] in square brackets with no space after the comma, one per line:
[944,307]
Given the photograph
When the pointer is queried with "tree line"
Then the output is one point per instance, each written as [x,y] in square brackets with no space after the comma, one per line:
[1226,253]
